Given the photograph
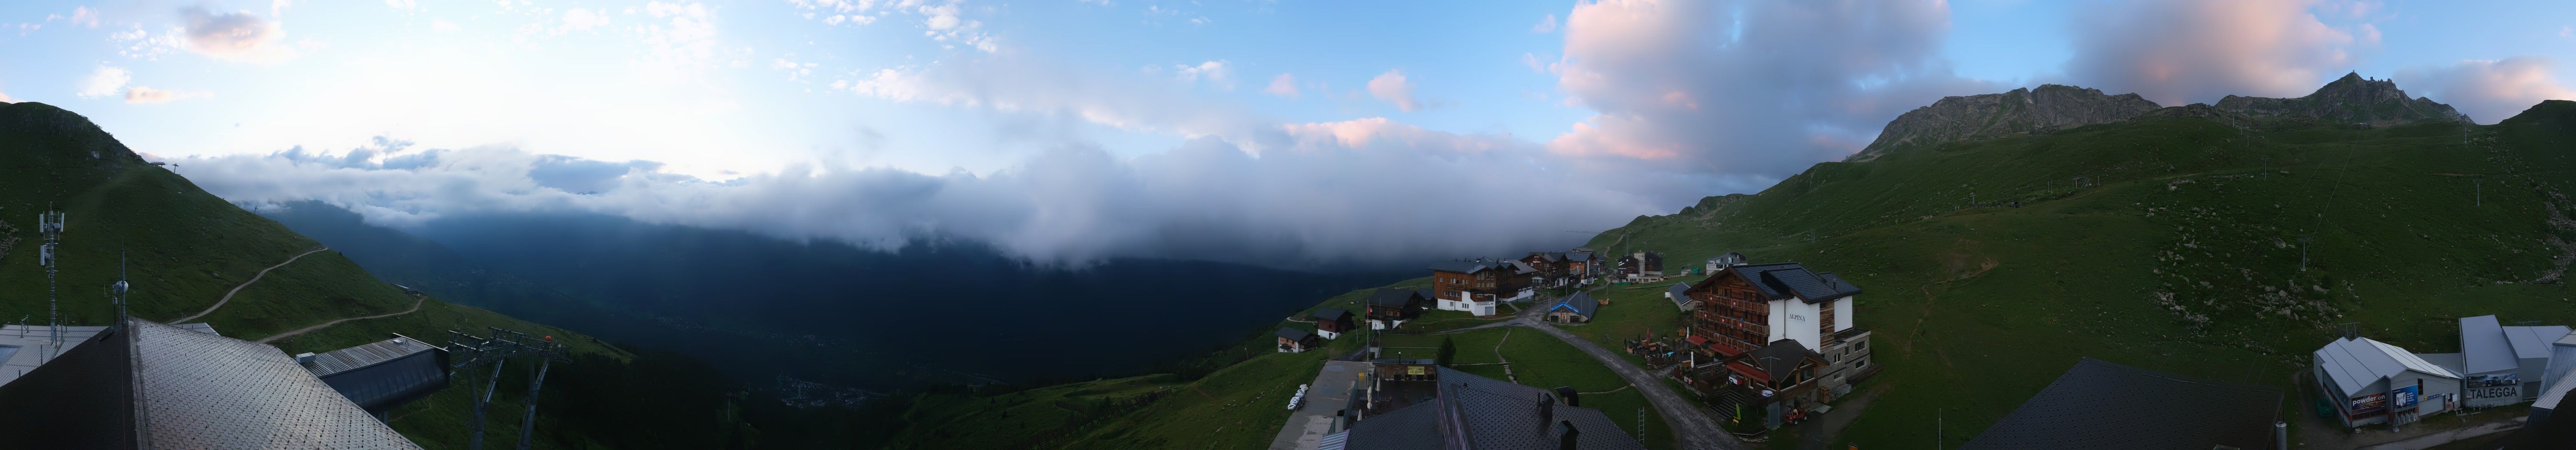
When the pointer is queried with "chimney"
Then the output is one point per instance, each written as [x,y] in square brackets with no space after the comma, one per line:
[1571,397]
[1565,433]
[1546,412]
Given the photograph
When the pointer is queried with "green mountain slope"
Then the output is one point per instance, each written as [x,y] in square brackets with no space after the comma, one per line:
[2176,251]
[185,249]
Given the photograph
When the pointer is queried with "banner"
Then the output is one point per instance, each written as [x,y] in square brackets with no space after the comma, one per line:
[2406,396]
[2366,405]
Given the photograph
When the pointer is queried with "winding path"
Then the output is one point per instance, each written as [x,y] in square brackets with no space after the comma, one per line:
[415,306]
[228,296]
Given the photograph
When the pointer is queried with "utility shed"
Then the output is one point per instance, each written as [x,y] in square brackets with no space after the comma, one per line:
[2100,405]
[2375,382]
[381,375]
[142,385]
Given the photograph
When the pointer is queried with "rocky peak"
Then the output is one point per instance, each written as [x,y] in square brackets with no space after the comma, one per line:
[2025,110]
[2349,99]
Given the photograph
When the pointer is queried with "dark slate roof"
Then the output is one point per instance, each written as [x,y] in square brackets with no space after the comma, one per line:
[1781,357]
[1461,266]
[384,374]
[1549,256]
[1783,280]
[1294,334]
[1581,302]
[1394,297]
[149,385]
[1676,292]
[1495,415]
[2100,405]
[1332,314]
[1578,256]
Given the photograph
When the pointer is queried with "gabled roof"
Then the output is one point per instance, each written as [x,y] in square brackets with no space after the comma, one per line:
[2355,363]
[2100,405]
[1461,266]
[1581,303]
[2533,342]
[1676,292]
[1395,297]
[1487,414]
[150,385]
[1334,314]
[1785,280]
[1578,256]
[1549,256]
[1523,266]
[2483,347]
[1781,357]
[1294,334]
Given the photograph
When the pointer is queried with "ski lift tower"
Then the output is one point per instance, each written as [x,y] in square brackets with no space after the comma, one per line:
[50,223]
[469,352]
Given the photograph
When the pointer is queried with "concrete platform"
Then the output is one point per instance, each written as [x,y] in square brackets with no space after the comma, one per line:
[1313,419]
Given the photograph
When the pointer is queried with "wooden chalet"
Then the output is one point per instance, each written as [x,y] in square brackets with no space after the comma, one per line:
[1332,322]
[1293,340]
[1752,307]
[1390,308]
[1770,387]
[1642,266]
[1475,286]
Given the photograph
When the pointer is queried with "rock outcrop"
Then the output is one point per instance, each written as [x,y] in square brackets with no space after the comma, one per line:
[2050,107]
[2351,99]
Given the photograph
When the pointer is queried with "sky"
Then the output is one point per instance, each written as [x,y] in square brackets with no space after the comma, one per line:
[1280,132]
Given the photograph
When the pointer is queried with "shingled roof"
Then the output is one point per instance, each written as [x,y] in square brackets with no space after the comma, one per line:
[2100,405]
[1488,414]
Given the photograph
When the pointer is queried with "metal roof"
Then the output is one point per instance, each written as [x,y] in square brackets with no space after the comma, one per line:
[2483,347]
[2356,363]
[1785,280]
[1676,292]
[2100,405]
[1394,297]
[2533,342]
[381,375]
[163,386]
[34,345]
[1461,266]
[1581,303]
[1331,313]
[1295,334]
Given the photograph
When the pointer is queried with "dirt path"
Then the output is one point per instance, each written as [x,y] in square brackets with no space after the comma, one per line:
[228,295]
[415,306]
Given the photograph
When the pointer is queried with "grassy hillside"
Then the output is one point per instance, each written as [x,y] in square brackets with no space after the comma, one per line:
[2178,252]
[184,249]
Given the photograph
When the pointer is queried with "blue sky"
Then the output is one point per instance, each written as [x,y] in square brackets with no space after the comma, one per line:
[879,121]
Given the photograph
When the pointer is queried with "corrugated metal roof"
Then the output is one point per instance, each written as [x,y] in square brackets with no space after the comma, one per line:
[341,360]
[2533,342]
[2483,348]
[2354,364]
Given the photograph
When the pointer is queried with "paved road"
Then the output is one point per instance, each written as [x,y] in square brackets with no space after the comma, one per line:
[2430,440]
[1695,430]
[228,295]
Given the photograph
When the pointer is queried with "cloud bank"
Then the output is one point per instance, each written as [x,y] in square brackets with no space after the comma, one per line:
[236,36]
[2196,51]
[1368,192]
[2489,90]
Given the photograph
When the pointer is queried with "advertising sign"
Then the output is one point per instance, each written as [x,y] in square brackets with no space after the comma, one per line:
[2367,405]
[2494,386]
[1413,370]
[2406,396]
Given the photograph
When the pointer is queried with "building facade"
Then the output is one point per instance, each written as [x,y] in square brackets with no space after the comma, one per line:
[1477,286]
[1747,313]
[2374,382]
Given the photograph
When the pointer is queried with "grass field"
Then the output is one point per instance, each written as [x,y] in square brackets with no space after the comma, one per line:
[2180,253]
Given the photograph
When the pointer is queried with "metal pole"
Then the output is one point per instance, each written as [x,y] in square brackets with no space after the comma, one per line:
[528,423]
[476,442]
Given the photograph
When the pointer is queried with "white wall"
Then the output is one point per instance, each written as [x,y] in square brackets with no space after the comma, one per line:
[1843,313]
[1796,319]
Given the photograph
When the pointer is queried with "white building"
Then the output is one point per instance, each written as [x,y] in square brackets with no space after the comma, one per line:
[2379,383]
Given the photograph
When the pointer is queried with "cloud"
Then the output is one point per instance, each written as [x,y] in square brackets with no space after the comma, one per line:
[1730,96]
[1547,25]
[1346,192]
[236,36]
[1284,85]
[4,98]
[578,19]
[2490,90]
[85,17]
[1215,72]
[104,81]
[1022,83]
[2196,51]
[145,95]
[1393,88]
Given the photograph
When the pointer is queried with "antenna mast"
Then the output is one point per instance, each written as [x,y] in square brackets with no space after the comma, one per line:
[51,224]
